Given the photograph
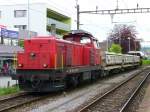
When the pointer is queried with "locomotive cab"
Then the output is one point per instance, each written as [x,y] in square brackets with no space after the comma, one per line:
[82,37]
[47,63]
[90,44]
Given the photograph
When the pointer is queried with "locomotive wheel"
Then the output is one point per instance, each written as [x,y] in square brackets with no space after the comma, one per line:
[36,83]
[104,73]
[72,81]
[21,81]
[75,81]
[95,75]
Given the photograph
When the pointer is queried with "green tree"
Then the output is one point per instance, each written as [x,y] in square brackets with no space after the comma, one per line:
[116,48]
[21,43]
[124,35]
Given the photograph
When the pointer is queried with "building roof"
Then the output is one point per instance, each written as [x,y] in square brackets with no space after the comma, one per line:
[57,14]
[6,50]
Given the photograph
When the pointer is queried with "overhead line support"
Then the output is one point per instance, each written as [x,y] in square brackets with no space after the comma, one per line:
[118,11]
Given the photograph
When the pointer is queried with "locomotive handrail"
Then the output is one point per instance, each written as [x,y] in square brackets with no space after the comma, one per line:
[55,63]
[15,61]
[62,61]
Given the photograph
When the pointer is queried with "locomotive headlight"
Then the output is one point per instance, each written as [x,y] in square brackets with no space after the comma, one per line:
[45,65]
[32,54]
[20,65]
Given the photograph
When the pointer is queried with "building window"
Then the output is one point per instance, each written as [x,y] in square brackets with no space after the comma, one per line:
[21,27]
[9,41]
[20,13]
[14,42]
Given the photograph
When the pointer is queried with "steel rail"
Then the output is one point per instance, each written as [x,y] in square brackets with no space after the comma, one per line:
[134,93]
[13,97]
[107,93]
[45,96]
[22,103]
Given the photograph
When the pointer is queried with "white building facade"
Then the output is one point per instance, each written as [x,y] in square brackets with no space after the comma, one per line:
[38,19]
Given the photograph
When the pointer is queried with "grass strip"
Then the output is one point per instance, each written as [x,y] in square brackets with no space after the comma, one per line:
[145,62]
[9,90]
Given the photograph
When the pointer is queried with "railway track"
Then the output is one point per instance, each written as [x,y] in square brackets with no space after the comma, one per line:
[65,105]
[118,98]
[19,100]
[25,98]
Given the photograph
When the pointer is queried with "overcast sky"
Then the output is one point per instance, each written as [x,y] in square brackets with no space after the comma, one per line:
[100,25]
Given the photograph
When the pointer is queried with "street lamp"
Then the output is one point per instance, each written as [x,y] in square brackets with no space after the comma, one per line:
[119,40]
[135,42]
[129,42]
[108,43]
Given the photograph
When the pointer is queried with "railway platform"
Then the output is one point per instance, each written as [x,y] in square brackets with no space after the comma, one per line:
[145,104]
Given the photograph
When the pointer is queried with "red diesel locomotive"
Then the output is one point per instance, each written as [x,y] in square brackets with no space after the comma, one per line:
[49,64]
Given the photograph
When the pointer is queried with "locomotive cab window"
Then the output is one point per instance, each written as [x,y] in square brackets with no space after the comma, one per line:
[85,40]
[69,39]
[95,44]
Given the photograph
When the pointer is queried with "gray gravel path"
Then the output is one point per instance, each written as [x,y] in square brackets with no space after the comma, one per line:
[77,98]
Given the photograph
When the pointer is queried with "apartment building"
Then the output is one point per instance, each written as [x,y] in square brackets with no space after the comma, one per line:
[36,17]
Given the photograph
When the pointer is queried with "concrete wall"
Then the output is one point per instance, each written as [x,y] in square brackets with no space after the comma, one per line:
[26,34]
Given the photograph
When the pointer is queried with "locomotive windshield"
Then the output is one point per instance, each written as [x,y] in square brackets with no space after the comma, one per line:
[85,40]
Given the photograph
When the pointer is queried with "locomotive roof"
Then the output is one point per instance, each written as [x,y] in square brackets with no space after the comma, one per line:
[80,32]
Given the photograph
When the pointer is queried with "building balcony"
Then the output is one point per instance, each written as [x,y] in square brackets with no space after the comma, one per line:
[59,25]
